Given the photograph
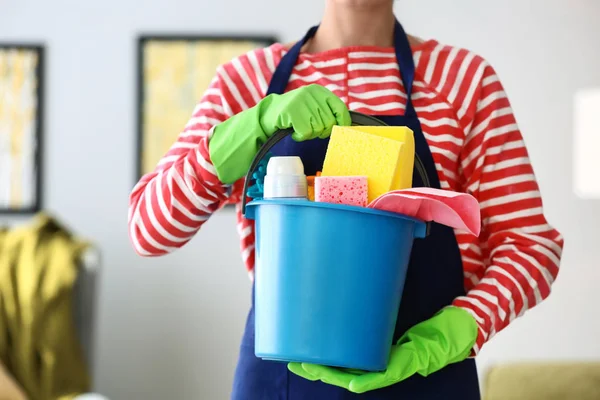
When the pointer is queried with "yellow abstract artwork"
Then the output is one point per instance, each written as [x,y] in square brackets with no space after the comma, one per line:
[175,72]
[20,76]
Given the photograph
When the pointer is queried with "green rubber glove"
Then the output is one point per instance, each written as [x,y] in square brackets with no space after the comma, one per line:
[311,111]
[427,347]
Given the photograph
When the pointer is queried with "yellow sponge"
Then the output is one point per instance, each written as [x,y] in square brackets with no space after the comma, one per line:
[384,154]
[407,152]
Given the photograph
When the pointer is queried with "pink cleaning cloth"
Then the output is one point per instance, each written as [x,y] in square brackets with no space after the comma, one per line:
[349,190]
[456,210]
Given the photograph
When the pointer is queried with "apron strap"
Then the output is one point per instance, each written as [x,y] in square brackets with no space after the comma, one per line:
[406,63]
[284,69]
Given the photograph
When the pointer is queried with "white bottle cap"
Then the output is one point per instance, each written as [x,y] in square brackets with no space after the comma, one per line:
[285,178]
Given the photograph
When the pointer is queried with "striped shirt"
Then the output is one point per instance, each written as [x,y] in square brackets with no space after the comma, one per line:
[468,122]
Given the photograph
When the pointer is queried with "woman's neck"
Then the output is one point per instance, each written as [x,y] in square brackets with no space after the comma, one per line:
[346,25]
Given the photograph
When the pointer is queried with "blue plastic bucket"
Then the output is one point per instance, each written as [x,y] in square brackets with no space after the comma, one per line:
[328,280]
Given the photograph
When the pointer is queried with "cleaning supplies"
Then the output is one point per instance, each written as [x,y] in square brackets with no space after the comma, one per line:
[285,178]
[457,210]
[256,190]
[349,190]
[299,283]
[311,185]
[384,154]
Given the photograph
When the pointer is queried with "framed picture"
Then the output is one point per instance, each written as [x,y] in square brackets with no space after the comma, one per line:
[173,73]
[21,107]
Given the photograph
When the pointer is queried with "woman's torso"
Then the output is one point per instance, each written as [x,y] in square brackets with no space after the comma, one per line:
[367,79]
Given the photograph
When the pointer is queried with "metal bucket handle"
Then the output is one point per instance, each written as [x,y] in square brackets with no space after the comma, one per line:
[358,119]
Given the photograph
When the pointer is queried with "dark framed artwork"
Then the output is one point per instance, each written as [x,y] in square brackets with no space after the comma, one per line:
[21,110]
[173,73]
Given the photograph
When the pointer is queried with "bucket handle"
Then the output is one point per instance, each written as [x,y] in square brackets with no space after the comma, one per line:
[357,119]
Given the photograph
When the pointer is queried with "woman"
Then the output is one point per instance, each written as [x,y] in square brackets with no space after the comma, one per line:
[460,290]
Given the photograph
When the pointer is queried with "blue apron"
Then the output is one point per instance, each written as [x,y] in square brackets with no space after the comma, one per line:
[434,278]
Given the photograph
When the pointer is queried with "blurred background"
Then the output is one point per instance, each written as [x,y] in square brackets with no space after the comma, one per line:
[169,328]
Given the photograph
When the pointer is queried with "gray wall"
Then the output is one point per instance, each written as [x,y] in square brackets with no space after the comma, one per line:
[169,327]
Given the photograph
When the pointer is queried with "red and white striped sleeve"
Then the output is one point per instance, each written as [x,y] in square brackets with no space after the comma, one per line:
[169,205]
[522,251]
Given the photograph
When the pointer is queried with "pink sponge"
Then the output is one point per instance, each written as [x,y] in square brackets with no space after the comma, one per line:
[350,190]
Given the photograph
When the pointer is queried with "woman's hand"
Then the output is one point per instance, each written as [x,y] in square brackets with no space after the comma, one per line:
[427,347]
[311,111]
